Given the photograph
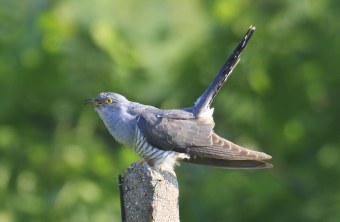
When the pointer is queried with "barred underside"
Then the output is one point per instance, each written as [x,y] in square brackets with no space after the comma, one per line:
[161,159]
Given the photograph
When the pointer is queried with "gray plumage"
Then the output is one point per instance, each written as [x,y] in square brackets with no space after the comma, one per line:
[163,137]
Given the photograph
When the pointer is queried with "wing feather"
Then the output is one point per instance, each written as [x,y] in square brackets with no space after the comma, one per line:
[170,133]
[193,136]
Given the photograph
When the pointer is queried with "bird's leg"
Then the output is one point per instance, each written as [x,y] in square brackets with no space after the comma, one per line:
[146,161]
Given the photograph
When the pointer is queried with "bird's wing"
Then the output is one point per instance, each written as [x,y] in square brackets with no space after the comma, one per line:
[193,136]
[171,132]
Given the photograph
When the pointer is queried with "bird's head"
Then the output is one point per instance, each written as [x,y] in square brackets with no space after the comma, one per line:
[107,101]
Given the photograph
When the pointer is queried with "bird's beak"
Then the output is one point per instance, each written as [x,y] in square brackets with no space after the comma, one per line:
[92,101]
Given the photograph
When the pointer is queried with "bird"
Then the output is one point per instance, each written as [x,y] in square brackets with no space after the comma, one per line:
[164,138]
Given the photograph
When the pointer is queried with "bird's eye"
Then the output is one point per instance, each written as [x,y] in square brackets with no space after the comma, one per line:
[108,101]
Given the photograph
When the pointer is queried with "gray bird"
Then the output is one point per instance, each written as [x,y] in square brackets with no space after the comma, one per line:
[164,137]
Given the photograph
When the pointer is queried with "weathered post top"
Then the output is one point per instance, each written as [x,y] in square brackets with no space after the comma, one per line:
[150,195]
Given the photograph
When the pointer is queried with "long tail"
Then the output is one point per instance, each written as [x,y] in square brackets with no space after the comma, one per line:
[203,103]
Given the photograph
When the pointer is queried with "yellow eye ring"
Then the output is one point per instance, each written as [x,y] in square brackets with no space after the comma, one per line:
[108,101]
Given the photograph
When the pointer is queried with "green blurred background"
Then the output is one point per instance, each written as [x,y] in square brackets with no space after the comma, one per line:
[59,163]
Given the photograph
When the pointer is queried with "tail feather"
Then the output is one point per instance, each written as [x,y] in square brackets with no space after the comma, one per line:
[203,103]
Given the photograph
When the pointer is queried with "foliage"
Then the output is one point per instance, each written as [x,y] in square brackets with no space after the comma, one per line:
[59,163]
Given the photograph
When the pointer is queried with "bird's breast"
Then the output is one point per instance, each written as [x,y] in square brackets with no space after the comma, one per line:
[162,159]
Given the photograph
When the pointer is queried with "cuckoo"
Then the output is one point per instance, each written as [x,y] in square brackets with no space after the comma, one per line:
[166,137]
